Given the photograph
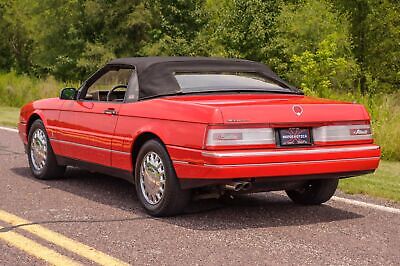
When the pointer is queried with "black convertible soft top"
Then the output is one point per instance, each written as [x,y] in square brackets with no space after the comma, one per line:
[156,74]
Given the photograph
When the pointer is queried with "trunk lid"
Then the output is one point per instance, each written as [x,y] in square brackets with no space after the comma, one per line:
[278,109]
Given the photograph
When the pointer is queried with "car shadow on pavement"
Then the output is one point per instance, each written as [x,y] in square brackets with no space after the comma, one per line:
[260,210]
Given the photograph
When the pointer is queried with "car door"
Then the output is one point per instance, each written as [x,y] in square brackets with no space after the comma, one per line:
[87,124]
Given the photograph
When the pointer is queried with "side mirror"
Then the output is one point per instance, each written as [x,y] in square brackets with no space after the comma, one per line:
[68,94]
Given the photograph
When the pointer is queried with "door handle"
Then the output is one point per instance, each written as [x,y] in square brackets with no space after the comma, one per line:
[110,111]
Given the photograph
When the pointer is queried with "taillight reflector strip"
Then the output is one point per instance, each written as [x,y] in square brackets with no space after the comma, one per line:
[342,133]
[239,136]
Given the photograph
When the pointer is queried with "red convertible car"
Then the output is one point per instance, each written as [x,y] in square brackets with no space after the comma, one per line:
[179,127]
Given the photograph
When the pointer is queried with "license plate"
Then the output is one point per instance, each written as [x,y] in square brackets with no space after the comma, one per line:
[294,136]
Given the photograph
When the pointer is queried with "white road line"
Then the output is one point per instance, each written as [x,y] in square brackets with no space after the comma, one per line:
[9,129]
[367,205]
[344,200]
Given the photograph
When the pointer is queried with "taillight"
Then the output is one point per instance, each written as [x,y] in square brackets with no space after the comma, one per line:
[223,137]
[343,133]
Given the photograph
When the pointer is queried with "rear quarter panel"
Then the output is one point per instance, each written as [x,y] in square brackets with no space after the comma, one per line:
[178,124]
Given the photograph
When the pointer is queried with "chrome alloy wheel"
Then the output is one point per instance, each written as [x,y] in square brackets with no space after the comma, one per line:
[152,178]
[38,150]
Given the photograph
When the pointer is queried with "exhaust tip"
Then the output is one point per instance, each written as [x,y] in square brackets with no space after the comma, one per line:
[246,185]
[238,186]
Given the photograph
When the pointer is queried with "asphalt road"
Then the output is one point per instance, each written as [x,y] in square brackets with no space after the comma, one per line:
[87,218]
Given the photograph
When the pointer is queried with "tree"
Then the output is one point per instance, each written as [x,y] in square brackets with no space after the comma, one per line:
[358,10]
[312,47]
[16,46]
[382,52]
[57,35]
[81,35]
[71,38]
[113,29]
[375,27]
[175,24]
[244,27]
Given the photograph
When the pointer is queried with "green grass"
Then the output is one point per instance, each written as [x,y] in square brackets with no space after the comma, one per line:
[384,183]
[17,90]
[9,116]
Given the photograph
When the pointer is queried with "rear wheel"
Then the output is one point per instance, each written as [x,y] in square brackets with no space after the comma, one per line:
[157,186]
[314,192]
[41,158]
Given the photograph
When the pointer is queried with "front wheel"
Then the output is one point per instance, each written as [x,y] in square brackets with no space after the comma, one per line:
[41,158]
[157,186]
[314,192]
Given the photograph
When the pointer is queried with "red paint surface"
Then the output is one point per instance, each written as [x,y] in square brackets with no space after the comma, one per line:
[181,123]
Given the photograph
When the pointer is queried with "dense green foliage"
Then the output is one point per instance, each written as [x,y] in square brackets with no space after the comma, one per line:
[375,29]
[316,44]
[16,90]
[314,51]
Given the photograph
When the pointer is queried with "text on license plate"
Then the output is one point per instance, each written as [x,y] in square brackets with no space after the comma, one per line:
[294,136]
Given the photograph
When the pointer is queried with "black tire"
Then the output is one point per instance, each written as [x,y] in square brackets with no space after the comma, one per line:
[174,199]
[314,192]
[51,169]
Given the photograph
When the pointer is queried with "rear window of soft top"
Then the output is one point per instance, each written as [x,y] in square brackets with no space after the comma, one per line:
[203,82]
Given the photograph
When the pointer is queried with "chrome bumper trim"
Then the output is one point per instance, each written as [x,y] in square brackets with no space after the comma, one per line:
[291,163]
[225,154]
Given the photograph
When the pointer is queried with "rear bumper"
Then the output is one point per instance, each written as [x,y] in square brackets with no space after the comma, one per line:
[217,165]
